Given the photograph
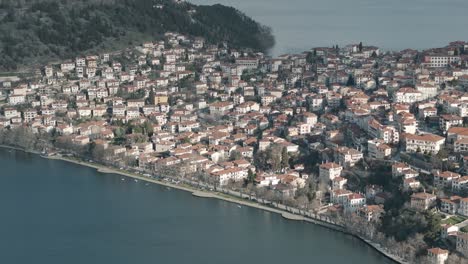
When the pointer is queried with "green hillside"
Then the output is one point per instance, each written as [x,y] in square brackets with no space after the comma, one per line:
[33,31]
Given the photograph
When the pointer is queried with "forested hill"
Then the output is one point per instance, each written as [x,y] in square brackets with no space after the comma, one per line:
[33,31]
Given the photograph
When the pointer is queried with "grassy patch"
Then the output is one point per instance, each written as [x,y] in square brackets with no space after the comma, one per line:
[456,219]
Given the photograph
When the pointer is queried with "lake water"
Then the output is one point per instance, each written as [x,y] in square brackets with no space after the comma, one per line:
[56,212]
[299,25]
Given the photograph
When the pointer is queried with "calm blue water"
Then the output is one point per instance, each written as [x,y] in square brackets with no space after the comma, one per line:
[299,25]
[57,212]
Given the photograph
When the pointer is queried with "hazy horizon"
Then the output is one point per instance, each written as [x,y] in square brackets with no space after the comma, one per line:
[299,25]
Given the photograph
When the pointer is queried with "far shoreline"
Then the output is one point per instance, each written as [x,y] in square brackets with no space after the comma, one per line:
[215,195]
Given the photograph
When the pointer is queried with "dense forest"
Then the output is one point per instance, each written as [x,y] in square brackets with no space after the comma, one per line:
[33,31]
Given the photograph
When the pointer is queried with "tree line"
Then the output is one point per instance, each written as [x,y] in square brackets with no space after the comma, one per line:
[54,29]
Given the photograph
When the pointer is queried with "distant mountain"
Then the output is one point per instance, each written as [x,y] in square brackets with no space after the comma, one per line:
[33,31]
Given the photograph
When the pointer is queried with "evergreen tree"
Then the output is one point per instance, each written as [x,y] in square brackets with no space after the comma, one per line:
[150,98]
[250,176]
[284,159]
[310,57]
[50,30]
[351,81]
[377,82]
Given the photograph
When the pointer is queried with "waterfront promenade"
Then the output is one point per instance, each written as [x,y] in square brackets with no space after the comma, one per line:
[242,199]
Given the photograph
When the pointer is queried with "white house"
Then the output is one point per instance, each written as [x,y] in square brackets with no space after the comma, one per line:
[440,60]
[462,243]
[437,255]
[347,157]
[422,201]
[428,143]
[329,171]
[378,149]
[447,121]
[221,108]
[445,178]
[353,202]
[407,95]
[427,90]
[224,176]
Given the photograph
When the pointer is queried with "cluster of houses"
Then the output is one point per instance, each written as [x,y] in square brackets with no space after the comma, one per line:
[211,109]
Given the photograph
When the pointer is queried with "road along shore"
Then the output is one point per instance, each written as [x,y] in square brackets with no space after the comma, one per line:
[214,195]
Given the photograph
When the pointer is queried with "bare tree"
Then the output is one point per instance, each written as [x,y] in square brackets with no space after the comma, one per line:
[250,189]
[270,196]
[260,193]
[456,258]
[303,202]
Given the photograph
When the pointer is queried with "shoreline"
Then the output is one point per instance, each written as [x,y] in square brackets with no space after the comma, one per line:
[216,195]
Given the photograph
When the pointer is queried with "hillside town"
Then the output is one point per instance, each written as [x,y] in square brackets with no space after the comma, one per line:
[376,138]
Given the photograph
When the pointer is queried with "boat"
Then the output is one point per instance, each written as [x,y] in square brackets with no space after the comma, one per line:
[239,206]
[123,179]
[136,180]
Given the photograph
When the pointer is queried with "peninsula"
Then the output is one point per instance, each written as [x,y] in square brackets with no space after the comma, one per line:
[371,142]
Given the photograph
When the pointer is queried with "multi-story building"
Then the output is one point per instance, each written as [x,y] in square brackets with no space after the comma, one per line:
[10,113]
[463,209]
[388,134]
[221,108]
[427,112]
[29,115]
[353,202]
[440,60]
[347,157]
[398,168]
[461,145]
[246,64]
[460,184]
[378,149]
[450,205]
[444,179]
[437,255]
[403,170]
[447,121]
[462,243]
[462,110]
[456,133]
[411,184]
[310,118]
[370,212]
[427,90]
[267,99]
[235,174]
[407,95]
[16,99]
[340,196]
[338,183]
[426,143]
[422,201]
[329,171]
